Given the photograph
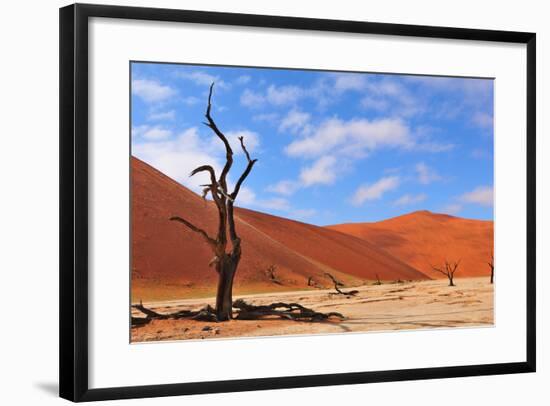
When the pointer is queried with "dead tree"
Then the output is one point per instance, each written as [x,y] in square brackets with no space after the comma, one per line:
[225,261]
[492,266]
[448,271]
[338,284]
[270,271]
[378,280]
[310,281]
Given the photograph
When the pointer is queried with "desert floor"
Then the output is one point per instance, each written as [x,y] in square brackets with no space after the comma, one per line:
[395,306]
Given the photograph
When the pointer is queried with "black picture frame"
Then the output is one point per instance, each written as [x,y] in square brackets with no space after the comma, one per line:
[73,254]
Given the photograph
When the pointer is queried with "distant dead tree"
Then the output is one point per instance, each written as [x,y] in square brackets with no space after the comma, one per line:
[492,266]
[378,280]
[449,270]
[226,259]
[310,281]
[338,284]
[270,271]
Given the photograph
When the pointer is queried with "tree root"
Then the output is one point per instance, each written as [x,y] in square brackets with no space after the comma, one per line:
[291,311]
[246,311]
[207,313]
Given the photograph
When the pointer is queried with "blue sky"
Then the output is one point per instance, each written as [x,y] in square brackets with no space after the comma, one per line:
[332,147]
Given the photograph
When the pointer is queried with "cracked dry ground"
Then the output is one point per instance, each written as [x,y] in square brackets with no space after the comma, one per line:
[390,306]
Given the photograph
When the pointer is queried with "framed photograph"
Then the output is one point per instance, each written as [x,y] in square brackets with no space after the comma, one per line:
[257,202]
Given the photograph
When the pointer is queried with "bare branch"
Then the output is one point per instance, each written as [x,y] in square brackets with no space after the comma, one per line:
[205,168]
[337,284]
[251,163]
[228,151]
[434,268]
[241,139]
[211,242]
[213,188]
[232,231]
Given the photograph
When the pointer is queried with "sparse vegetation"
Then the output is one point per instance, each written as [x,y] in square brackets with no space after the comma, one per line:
[448,270]
[492,266]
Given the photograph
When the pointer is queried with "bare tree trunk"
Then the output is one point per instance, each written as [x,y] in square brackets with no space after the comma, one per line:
[226,269]
[451,283]
[492,275]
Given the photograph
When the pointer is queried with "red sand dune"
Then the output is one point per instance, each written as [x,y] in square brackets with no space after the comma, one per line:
[423,238]
[170,261]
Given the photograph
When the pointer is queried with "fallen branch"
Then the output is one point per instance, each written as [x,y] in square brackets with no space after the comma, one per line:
[207,313]
[290,311]
[337,285]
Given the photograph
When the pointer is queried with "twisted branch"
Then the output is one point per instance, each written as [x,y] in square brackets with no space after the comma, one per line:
[211,242]
[228,151]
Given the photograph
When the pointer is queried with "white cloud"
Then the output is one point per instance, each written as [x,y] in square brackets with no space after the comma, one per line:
[432,146]
[268,117]
[323,171]
[426,175]
[374,191]
[151,91]
[350,81]
[177,157]
[152,133]
[284,187]
[252,99]
[162,115]
[453,209]
[274,95]
[295,122]
[408,199]
[483,120]
[191,100]
[302,214]
[243,79]
[373,103]
[283,95]
[251,141]
[202,79]
[390,95]
[276,203]
[482,195]
[352,138]
[246,196]
[157,133]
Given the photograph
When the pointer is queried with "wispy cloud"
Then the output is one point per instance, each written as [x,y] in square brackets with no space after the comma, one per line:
[201,78]
[284,187]
[482,195]
[483,120]
[453,209]
[295,122]
[243,80]
[152,133]
[408,199]
[355,137]
[323,171]
[375,190]
[151,91]
[425,174]
[349,81]
[162,115]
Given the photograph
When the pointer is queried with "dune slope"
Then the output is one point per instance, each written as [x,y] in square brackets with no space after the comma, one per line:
[422,239]
[169,261]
